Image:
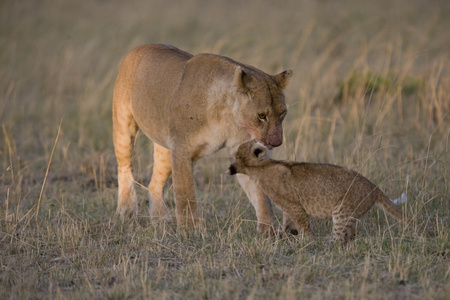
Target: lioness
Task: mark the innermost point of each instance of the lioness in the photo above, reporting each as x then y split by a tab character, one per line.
302	190
192	106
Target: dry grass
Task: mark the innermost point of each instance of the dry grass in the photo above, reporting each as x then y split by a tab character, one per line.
370	91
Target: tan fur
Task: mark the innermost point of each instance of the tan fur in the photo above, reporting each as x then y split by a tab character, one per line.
304	190
191	106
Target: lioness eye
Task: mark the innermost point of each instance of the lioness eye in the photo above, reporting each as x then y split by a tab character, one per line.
262	117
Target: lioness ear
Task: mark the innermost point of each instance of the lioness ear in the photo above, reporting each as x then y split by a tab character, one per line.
282	79
242	79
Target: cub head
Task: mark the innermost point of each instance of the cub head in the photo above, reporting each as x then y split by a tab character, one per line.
249	154
259	106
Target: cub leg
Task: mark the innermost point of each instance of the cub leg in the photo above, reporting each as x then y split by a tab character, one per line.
184	189
261	203
288	225
161	170
301	220
124	133
344	226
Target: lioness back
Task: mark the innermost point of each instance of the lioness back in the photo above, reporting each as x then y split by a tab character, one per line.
149	75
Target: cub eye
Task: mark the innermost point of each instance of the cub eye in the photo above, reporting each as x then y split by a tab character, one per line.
262	117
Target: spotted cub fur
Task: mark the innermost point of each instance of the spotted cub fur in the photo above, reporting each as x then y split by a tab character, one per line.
304	190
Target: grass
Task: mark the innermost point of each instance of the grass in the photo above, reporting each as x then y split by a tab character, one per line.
370	92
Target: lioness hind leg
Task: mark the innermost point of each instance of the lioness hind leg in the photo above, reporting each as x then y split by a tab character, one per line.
161	171
124	133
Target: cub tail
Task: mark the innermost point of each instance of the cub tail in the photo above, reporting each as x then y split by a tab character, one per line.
400	200
388	206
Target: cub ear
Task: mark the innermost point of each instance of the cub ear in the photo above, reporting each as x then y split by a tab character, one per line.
282	79
259	152
242	79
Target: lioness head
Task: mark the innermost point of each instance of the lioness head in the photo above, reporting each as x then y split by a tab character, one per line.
249	154
260	106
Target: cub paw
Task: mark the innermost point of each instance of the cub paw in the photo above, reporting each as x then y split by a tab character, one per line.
290	229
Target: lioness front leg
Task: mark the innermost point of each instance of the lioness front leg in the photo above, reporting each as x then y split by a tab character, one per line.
184	189
261	203
162	166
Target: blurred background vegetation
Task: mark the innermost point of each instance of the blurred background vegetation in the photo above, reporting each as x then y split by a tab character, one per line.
370	91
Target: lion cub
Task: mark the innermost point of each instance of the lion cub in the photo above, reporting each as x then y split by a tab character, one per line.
304	190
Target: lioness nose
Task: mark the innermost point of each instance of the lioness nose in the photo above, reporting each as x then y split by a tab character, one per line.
275	137
276	141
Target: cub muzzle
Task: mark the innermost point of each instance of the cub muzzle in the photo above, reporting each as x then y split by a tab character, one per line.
232	170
